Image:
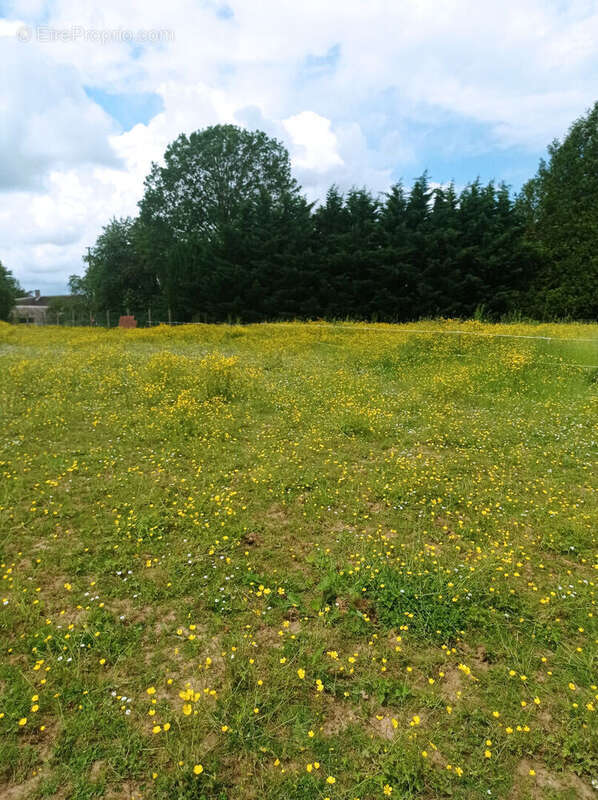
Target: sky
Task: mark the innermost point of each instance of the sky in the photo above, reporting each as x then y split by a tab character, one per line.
361	92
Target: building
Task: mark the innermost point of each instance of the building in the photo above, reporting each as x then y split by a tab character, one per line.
35	308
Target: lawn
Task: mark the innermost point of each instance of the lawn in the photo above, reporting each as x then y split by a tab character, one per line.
299	561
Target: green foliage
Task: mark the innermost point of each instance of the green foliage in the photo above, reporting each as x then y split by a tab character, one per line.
561	208
436	603
223	233
9	291
117	277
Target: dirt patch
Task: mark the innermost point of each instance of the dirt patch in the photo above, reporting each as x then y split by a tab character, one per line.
452	684
47	741
421	451
279	514
129	790
481	658
338	717
382	726
362	604
209	743
545	718
536	785
20	791
268	637
97	768
435	757
341	527
478	659
129	612
238	774
292	615
342	604
166	621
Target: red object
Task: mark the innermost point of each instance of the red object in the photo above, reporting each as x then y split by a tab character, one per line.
127	322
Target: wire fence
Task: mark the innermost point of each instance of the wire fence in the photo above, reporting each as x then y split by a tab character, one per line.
100	319
147	318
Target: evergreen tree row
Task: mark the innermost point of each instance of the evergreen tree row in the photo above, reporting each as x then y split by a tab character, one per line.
224	232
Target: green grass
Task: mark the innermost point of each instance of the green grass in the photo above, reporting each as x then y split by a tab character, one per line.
367	548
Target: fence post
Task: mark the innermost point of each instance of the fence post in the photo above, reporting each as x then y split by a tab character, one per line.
149	318
169	315
107	318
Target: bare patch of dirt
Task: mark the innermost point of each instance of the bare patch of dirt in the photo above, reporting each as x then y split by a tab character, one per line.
477	659
340	527
481	658
277	513
129	611
292	615
239	774
209	742
342	604
436	758
543	780
47	741
338	717
166	621
97	768
452	684
363	604
545	718
382	726
129	790
268	637
422	451
19	791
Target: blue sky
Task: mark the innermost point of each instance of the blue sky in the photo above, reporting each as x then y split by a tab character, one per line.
127	109
360	93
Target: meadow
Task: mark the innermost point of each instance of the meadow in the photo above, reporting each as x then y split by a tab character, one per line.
299	561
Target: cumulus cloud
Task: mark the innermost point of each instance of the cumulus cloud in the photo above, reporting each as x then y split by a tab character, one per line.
48	120
314	145
359	93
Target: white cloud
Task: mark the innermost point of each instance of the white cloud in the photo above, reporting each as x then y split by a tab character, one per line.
48	120
314	145
10	28
517	73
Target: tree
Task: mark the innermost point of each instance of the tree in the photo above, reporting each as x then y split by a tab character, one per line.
398	278
209	176
560	207
116	277
332	227
224	232
364	254
199	208
438	284
9	291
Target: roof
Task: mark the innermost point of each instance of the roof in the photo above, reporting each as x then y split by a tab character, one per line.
43	300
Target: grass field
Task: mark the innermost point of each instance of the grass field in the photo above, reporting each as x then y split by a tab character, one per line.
299	561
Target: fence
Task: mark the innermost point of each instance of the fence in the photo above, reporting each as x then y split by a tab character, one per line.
104	319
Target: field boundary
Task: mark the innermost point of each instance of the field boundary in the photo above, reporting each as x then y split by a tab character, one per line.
436	331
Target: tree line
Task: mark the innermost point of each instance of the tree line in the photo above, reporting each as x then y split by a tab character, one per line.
224	232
